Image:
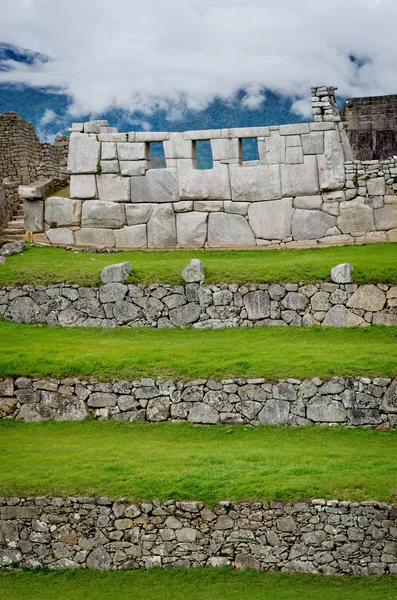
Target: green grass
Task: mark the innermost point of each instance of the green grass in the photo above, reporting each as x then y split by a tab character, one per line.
374	263
145	461
271	352
193	584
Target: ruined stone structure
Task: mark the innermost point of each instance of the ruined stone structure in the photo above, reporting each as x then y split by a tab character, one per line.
371	126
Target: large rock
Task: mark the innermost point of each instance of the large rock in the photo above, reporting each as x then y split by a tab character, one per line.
125	312
99	559
12	248
340	316
158	185
376	186
161	229
295	301
113	188
63	408
33	215
61	236
83	154
229	231
131	237
257	305
138	214
300	180
191	229
322	410
355	216
83	186
342	273
100	238
108	215
389	402
24	310
193	272
158	409
202	413
252	184
386	217
132	151
271	220
116	273
184	315
196	184
112	292
311	224
367	297
331	164
62	212
275	412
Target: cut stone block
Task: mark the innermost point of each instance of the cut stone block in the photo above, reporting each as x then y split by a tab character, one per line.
386	217
311	224
293	155
33	215
109	151
62	212
367	297
117	273
150	136
110	166
208	205
83	154
331	164
161	228
130	151
237	208
83	186
229	231
138	213
376	187
191	229
158	185
178	147
298	129
308	202
272	149
300	180
196	184
225	149
61	236
134	168
271	220
355	216
133	236
99	238
113	188
342	273
253	184
183	206
340	316
97	213
38	189
313	143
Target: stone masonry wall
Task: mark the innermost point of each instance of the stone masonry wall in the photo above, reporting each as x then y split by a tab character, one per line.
202	306
3	209
332	538
345	401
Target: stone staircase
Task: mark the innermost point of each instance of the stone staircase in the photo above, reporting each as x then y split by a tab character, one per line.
15	230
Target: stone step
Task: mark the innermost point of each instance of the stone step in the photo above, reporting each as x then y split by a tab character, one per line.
15	225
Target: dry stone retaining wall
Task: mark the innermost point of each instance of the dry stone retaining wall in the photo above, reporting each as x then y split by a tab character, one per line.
332	538
202	306
353	401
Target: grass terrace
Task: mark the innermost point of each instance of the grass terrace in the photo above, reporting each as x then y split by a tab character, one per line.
129	353
165	461
194	584
45	265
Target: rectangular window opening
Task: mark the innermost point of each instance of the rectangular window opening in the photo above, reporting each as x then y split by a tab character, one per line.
250	150
204	155
157	156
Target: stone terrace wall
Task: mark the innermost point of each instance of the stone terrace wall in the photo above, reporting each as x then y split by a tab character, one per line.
3	209
332	538
354	401
202	306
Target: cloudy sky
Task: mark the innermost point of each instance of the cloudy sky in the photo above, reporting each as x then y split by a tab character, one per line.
171	52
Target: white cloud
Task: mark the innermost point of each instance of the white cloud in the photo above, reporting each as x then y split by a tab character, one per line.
140	55
48	117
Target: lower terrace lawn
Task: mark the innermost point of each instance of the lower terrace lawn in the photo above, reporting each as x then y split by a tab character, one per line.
193	584
145	461
130	353
44	265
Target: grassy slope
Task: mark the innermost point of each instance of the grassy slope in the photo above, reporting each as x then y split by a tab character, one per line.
271	352
374	263
177	460
194	584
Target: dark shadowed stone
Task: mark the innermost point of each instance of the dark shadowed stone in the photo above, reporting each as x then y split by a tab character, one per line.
364	416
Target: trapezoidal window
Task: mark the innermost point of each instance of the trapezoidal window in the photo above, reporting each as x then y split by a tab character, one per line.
157	156
203	154
249	149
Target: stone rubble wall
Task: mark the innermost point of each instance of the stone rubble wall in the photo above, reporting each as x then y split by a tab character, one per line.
3	209
355	401
332	538
202	306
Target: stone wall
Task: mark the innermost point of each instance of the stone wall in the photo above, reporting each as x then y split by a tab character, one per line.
202	306
332	538
345	401
3	209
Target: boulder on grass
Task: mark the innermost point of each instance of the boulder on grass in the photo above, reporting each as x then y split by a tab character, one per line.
193	272
116	273
342	273
12	248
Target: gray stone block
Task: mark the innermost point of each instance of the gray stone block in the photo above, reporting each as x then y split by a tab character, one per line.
311	224
113	188
196	184
158	185
33	215
204	414
300	180
225	149
134	168
185	315
252	184
386	217
271	220
61	236
110	167
342	273
355	216
109	215
132	151
272	149
313	143
62	212
161	228
367	297
178	147
193	272
340	316
275	412
229	231
323	410
83	186
331	164
376	186
208	205
133	236
308	202
191	229
98	238
116	273
84	154
109	151
138	213
257	304
236	208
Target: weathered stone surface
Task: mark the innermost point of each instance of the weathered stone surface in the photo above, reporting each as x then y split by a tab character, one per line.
193	272
134	236
271	220
61	236
158	409
62	212
138	214
191	229
342	273
113	188
112	292
83	154
308	202
94	237
275	412
252	184
161	228
116	273
313	142
99	559
355	216
202	413
196	184
311	224
257	305
83	186
300	180
389	403
376	186
228	230
340	316
184	315
97	213
272	149
132	151
325	410
24	310
331	164
367	297
33	211
386	217
134	168
295	301
125	312
158	185
12	248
